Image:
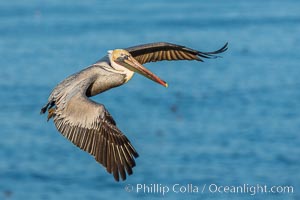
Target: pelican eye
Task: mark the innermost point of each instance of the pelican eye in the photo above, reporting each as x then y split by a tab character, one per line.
122	57
126	57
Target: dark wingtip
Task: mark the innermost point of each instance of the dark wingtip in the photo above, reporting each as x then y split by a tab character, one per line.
224	48
116	175
221	50
212	53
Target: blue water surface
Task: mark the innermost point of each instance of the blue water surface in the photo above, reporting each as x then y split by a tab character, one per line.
232	121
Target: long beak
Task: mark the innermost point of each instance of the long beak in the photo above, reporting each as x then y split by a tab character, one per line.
135	66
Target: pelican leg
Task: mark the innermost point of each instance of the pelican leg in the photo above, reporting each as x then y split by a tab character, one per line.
51	113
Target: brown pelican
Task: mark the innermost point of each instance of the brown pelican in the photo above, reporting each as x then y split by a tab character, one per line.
87	123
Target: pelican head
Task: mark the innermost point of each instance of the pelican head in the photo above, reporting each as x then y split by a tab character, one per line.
120	59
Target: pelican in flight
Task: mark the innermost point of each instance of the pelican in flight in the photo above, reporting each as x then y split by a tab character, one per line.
88	124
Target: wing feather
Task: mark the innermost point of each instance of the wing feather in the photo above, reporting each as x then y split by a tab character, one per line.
89	126
159	51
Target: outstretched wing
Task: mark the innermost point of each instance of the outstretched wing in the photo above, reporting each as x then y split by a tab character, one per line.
90	127
166	51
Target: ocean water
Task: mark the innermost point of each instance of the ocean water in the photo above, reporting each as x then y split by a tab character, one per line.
229	122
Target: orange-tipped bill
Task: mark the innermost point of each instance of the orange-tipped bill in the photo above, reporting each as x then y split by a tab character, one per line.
135	66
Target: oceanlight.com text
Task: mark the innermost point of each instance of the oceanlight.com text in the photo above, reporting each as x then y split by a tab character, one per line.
164	189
